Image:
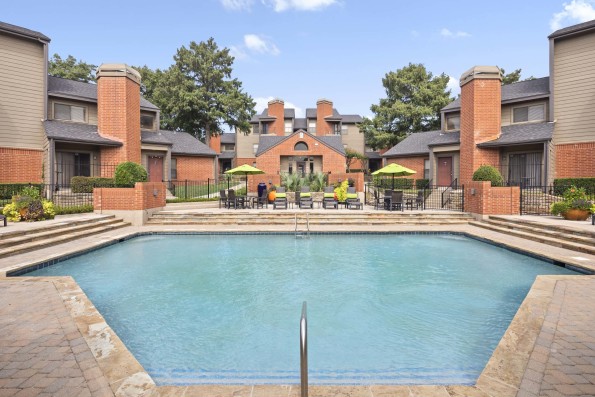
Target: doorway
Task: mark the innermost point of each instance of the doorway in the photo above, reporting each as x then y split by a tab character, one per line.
444	171
155	169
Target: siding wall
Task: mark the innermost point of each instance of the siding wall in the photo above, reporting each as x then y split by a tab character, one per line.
244	147
507	110
353	139
574	89
22	67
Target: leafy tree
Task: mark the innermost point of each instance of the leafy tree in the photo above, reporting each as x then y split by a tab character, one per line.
71	68
197	94
413	101
513	77
352	155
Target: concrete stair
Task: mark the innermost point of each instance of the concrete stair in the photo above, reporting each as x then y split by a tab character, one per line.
327	217
20	241
554	235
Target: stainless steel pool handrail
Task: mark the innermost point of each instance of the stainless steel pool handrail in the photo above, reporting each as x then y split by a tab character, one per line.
304	352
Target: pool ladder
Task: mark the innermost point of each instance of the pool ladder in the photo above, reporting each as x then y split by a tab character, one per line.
300	233
304	352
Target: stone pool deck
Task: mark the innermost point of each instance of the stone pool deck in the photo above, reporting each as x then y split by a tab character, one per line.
53	342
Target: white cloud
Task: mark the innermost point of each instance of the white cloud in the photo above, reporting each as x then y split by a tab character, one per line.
237	52
260	44
237	5
300	5
263	102
453	86
576	11
447	33
414	33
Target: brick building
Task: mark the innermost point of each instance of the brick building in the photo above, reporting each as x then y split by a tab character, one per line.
54	128
533	131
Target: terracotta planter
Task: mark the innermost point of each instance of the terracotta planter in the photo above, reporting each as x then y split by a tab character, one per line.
576	215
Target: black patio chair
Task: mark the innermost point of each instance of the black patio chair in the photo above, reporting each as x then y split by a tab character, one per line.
232	200
387	199
352	201
222	198
419	200
280	199
3	219
328	200
262	201
305	198
378	201
396	202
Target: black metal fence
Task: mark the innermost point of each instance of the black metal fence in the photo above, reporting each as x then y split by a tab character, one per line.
189	189
61	195
520	172
537	200
65	171
429	197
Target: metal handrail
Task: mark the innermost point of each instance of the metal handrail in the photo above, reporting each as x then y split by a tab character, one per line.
449	189
304	352
296	231
308	224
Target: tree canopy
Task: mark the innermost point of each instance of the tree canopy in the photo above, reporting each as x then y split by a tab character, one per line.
71	68
413	101
352	155
197	93
513	77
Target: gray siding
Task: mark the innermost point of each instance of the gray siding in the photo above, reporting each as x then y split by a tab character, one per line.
574	88
353	139
22	97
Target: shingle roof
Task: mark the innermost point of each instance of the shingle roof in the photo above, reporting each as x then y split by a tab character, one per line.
78	89
7	27
228	138
300	123
227	155
334	141
416	143
522	133
154	137
268	141
373	155
352	118
76	132
446	138
512	92
184	143
573	29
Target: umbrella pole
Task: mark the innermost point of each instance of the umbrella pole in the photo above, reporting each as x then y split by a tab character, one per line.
393	181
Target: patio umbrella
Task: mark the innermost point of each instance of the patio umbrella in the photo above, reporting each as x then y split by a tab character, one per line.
245	170
394	169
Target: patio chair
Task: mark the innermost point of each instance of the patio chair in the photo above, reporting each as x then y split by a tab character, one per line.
262	201
419	200
231	199
305	198
280	199
3	219
396	202
378	201
328	200
352	201
222	198
387	199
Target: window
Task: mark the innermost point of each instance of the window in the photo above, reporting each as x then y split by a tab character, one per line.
427	169
255	147
264	129
69	112
255	129
174	168
301	146
453	122
528	113
312	127
288	127
147	121
344	130
337	129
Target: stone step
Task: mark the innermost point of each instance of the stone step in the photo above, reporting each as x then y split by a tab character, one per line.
291	215
63	237
42	228
539	238
43	234
559	228
538	229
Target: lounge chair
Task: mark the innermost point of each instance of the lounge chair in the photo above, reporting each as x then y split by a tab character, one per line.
328	200
222	198
396	202
305	198
280	199
352	201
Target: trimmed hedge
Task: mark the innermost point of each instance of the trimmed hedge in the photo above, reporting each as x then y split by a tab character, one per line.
85	184
128	173
488	173
561	184
400	183
78	209
421	183
7	190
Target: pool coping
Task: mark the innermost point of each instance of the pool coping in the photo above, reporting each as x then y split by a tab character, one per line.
502	375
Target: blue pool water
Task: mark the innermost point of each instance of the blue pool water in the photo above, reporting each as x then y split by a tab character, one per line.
382	309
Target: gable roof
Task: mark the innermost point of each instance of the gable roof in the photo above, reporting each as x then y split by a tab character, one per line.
76	132
518	134
267	142
185	144
523	90
58	86
228	138
155	137
24	32
573	29
415	144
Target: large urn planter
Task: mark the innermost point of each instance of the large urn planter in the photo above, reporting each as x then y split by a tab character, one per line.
576	215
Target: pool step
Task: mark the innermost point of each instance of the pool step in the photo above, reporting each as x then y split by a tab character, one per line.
20	241
553	235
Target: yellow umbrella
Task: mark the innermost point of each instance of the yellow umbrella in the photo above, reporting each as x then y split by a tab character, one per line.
246	170
394	169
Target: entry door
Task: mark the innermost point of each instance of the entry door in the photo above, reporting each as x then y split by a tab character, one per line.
155	169
444	171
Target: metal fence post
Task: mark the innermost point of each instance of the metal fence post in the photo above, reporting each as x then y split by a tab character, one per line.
186	189
208	187
521	202
463	199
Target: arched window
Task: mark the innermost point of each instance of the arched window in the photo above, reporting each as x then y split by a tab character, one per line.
300	146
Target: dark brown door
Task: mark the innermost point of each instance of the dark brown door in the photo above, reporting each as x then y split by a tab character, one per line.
155	169
444	171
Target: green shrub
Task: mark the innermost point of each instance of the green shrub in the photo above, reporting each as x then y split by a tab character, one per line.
488	173
191	200
341	191
422	183
78	209
559	207
7	190
85	184
128	173
573	198
562	184
317	181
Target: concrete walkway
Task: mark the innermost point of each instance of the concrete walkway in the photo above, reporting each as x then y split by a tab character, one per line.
53	342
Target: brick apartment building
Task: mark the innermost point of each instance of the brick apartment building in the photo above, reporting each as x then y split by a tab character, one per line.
52	129
533	131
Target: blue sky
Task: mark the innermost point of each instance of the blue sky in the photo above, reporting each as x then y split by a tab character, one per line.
303	50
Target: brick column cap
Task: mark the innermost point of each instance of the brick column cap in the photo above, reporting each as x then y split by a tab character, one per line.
276	100
118	70
324	100
480	72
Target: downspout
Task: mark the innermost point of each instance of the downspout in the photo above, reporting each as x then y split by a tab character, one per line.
546	161
52	146
551	103
50	166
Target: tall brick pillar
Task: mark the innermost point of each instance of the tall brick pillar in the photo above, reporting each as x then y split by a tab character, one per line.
480	118
215	143
118	113
324	108
277	109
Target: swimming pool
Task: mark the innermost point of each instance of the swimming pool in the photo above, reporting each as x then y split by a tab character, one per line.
383	309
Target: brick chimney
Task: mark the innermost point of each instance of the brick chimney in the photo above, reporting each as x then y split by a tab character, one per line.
215	143
277	109
118	112
324	108
480	118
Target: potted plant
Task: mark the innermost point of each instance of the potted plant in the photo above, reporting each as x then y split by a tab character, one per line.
574	205
272	193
